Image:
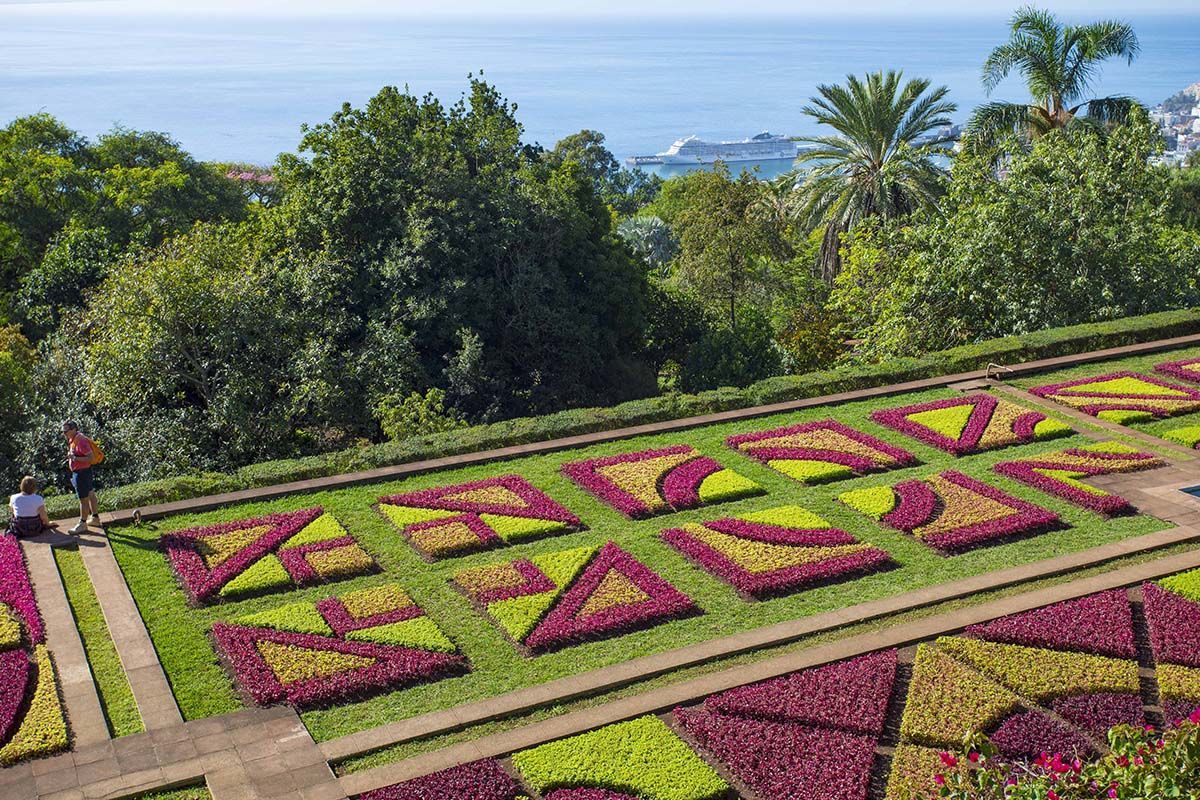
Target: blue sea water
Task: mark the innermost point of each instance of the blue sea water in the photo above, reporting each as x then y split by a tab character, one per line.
240	88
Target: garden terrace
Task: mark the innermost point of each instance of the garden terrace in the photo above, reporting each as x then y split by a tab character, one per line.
585	604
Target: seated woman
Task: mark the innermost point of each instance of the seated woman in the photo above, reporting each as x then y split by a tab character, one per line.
29	517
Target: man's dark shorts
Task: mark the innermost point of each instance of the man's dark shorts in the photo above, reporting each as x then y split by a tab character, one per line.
82	481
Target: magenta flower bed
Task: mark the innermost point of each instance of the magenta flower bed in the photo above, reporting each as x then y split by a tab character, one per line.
204	582
1078	463
1186	369
954	527
1096	713
781	761
569	622
1163	400
1101	624
534	503
1175	711
588	794
16	671
1028	734
322	676
786	559
16	591
824	440
992	423
479	780
1174	623
852	695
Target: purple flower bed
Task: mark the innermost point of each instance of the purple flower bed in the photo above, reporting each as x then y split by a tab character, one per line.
1187	369
586	474
681	486
536	503
852	695
781	761
1028	734
1174	623
884	455
1096	713
1081	463
201	583
1175	711
343	622
1181	399
322	681
479	780
16	671
535	582
16	590
565	625
919	505
1101	624
1020	426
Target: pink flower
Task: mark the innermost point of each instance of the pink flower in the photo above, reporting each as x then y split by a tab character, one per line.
1194	718
948	760
973	757
939	779
1051	795
1112	792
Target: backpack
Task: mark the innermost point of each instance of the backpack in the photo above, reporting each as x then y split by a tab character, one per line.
97	453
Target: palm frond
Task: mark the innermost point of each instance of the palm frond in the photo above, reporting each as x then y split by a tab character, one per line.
991	120
1113	109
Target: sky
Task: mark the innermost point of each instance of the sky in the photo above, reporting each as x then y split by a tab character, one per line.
602	7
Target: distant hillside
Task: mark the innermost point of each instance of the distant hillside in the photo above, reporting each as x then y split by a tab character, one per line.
1183	100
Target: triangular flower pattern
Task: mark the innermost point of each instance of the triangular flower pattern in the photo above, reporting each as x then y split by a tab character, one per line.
477	780
659	481
821	451
1185	369
337	649
455	520
1059	473
809	734
1100	624
572	596
950	511
264	554
776	551
1123	396
969	424
32	722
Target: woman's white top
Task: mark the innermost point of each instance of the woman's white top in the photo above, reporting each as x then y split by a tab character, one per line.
26	505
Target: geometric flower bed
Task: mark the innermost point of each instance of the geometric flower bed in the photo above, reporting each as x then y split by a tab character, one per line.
774	551
1187	369
1058	473
478	780
950	511
335	649
1123	396
1172	608
264	554
32	723
825	450
636	760
568	597
971	423
658	481
453	520
1188	437
811	734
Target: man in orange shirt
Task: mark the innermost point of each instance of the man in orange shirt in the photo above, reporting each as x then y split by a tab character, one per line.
81	455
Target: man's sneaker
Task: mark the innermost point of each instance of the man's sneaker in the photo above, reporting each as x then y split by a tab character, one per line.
80	527
94	519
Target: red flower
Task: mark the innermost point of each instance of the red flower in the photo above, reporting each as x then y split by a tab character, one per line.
939	779
948	760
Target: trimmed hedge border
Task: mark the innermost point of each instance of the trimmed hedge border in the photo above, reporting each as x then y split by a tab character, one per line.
1052	343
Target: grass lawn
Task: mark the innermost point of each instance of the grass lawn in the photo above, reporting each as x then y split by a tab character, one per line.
198	792
203	689
1143	364
116	697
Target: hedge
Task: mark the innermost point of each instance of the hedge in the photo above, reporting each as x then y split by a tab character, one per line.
573	422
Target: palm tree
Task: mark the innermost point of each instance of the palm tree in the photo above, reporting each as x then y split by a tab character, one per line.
883	160
1059	63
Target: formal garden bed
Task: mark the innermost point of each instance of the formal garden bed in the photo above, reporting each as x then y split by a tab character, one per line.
555	564
1158	394
1045	688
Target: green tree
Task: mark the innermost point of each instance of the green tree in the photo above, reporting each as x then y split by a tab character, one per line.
1075	231
652	241
1058	63
77	259
416	415
734	355
191	344
1184	184
505	271
17	360
625	190
723	246
875	164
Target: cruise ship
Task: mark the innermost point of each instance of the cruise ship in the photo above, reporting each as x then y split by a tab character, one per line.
692	150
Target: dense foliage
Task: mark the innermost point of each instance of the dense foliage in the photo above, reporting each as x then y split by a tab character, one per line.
416	267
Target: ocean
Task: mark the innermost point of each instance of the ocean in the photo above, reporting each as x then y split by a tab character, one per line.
239	88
